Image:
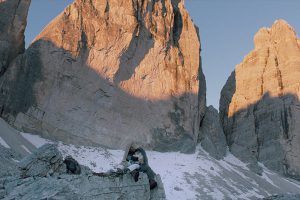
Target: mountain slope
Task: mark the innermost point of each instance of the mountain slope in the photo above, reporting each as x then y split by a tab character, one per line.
188	176
105	72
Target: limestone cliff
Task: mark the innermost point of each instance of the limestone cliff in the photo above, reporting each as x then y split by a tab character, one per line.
259	106
108	72
211	134
13	20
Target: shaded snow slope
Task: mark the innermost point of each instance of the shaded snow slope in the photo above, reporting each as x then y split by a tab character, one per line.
3	143
194	176
12	138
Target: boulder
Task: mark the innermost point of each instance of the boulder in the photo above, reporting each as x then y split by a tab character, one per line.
259	105
8	164
42	163
81	187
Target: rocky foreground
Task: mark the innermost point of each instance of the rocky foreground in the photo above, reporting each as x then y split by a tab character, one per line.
42	175
184	176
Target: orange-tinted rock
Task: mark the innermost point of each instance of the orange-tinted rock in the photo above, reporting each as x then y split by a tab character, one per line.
108	72
259	104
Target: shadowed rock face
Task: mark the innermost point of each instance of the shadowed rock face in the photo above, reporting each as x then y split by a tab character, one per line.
211	135
259	106
109	72
13	20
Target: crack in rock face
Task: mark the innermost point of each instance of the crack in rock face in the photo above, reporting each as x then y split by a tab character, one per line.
109	72
259	106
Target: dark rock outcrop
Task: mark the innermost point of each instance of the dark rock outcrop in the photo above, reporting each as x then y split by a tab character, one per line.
259	106
42	163
211	135
13	20
105	72
8	160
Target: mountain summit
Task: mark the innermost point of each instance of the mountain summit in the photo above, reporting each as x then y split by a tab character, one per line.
259	106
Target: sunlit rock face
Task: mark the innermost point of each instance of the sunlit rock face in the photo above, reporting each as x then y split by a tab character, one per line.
111	71
259	106
13	19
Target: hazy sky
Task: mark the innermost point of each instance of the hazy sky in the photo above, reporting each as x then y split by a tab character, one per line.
226	29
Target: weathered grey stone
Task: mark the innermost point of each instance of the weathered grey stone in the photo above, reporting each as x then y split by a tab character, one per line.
158	193
45	161
7	164
105	72
2	193
212	137
35	184
13	20
284	197
83	187
259	106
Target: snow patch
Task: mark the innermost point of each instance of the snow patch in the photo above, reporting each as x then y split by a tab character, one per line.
3	143
267	175
235	161
96	158
185	176
36	140
25	148
15	160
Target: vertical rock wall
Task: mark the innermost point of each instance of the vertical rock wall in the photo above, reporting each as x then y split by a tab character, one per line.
259	106
111	71
13	20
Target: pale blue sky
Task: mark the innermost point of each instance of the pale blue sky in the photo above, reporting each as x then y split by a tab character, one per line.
226	29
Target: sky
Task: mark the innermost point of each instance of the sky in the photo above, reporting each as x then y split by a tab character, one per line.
226	28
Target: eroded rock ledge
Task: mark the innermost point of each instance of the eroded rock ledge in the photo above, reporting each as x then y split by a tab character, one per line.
42	175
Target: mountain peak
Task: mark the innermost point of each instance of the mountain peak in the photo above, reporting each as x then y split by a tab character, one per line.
279	33
105	72
258	103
